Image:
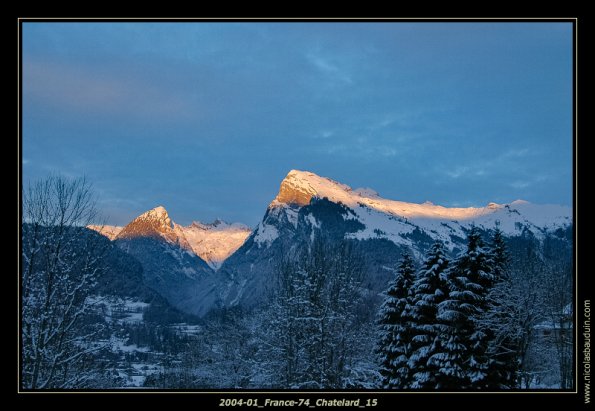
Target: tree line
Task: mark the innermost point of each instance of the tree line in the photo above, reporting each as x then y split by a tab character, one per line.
469	323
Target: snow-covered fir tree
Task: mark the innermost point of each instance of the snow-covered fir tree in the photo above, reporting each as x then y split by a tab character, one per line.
463	362
476	266
429	290
396	329
499	256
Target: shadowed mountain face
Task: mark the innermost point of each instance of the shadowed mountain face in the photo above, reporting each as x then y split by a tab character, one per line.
169	265
120	274
185	280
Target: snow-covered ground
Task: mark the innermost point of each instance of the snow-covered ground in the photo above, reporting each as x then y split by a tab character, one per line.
116	309
186	329
135	374
135	362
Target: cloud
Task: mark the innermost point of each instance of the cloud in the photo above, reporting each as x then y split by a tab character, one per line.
360	149
467	171
324	134
333	71
77	88
515	153
457	172
520	184
497	165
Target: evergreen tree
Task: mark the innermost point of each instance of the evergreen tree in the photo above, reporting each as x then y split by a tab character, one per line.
395	328
499	256
463	362
429	290
476	266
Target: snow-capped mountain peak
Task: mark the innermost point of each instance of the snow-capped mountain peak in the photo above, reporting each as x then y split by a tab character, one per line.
310	207
299	187
366	192
212	242
218	224
153	223
395	220
158	214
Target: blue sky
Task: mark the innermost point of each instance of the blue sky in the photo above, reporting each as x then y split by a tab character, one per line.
207	118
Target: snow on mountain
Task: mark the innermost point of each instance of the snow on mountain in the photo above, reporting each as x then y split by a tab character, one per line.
212	242
201	266
308	207
395	220
216	241
109	231
265	233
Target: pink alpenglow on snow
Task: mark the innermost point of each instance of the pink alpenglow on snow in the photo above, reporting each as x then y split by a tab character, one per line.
214	242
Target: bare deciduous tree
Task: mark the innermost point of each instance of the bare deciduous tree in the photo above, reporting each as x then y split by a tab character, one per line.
61	261
311	338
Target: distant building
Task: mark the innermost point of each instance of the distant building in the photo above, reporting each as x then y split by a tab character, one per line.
560	326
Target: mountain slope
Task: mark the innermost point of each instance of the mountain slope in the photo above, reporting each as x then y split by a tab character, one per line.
169	265
154	224
109	231
308	206
178	261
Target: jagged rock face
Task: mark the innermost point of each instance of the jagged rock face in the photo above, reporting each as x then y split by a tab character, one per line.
154	223
295	191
